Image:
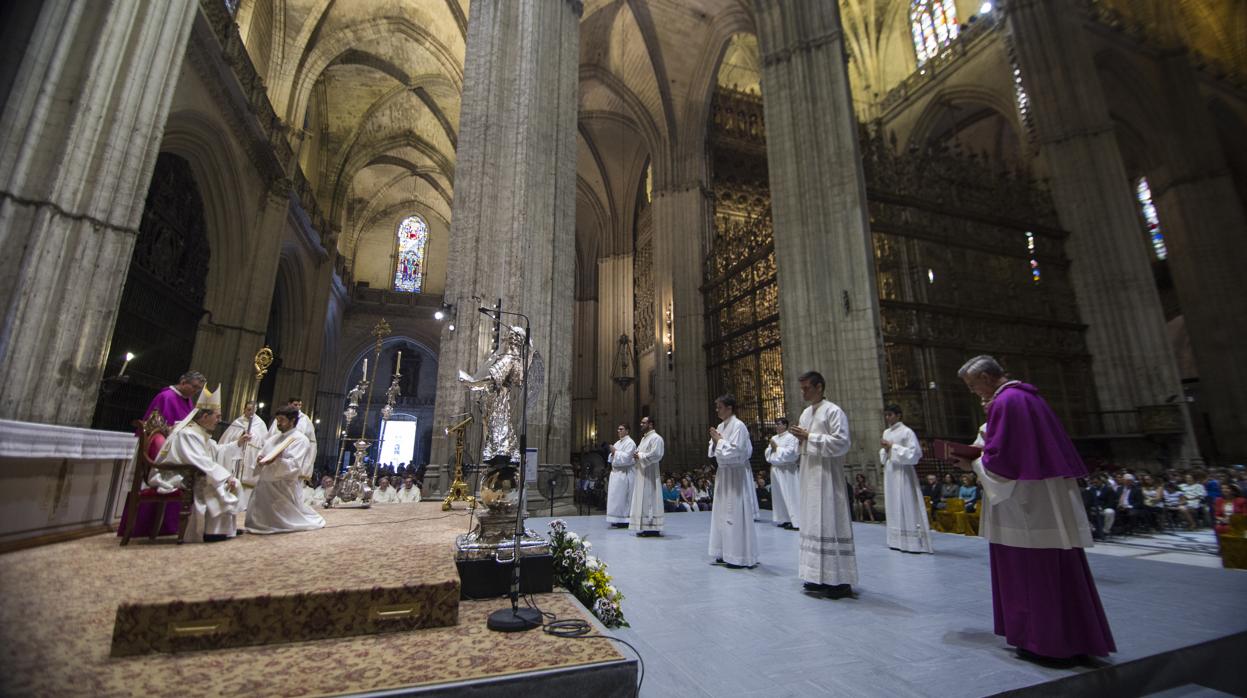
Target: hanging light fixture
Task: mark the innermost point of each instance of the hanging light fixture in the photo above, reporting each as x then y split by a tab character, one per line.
621	368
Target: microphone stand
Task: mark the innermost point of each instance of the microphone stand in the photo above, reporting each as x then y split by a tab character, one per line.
514	619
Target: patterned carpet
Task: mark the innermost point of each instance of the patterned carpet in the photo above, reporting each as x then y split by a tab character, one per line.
57	613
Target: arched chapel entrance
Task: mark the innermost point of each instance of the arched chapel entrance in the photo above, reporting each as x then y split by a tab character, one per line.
163	299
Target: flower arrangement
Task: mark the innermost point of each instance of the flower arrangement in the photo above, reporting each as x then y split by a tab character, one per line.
578	571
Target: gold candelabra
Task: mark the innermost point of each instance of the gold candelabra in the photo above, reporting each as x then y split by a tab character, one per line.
458	491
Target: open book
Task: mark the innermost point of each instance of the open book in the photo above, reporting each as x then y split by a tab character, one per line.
270	457
950	450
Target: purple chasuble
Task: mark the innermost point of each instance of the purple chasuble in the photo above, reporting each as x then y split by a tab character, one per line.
173	407
1025	440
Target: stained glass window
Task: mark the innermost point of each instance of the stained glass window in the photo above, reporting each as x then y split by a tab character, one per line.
1030	252
934	26
1143	192
413	237
231	6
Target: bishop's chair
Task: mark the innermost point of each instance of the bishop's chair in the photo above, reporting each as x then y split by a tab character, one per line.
146	505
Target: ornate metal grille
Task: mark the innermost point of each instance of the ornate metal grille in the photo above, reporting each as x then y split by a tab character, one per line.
953	272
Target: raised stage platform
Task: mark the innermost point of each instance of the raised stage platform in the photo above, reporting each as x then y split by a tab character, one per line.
920	625
368	604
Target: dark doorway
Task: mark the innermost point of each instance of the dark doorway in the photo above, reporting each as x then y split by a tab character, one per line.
163	297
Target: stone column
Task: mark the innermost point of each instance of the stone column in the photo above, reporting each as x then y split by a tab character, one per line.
512	234
229	338
615	317
1133	361
79	136
584	376
1205	232
829	307
682	407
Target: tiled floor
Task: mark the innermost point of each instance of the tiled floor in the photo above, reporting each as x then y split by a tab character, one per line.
1198	548
920	624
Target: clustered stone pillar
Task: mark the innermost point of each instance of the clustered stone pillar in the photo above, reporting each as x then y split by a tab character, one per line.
1132	358
512	234
829	307
1206	235
682	407
79	135
615	318
226	344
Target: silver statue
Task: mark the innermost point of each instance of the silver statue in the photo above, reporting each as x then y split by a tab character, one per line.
499	383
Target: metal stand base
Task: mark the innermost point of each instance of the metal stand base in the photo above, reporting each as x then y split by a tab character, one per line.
506	620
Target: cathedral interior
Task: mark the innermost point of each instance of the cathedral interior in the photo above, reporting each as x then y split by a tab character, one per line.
685	197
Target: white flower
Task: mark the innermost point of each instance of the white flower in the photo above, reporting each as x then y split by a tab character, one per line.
571	535
588	545
611	590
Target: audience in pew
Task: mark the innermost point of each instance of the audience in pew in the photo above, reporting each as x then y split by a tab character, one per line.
1120	502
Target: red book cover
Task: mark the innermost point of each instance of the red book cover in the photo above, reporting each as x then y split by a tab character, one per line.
949	450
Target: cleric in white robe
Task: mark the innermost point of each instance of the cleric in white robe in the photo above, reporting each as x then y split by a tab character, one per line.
383	493
244	470
277	505
646	515
827	561
308	429
899	452
408	493
784	454
190	443
733	541
623	475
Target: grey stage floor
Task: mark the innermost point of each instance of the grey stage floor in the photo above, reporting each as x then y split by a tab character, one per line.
920	625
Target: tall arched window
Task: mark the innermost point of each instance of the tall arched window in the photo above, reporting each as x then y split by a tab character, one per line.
934	26
413	238
1143	192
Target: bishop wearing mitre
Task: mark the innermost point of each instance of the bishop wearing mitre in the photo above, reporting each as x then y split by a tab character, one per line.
277	504
191	443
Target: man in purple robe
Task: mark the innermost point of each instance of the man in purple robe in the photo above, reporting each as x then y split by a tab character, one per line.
1043	596
174	403
177	401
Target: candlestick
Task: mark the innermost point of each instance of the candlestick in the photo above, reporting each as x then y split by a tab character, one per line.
398	368
129	358
365	369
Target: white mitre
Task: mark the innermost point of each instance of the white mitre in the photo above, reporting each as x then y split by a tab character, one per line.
208	400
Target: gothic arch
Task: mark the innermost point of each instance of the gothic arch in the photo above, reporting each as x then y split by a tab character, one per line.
291	290
215	163
365	348
689	162
988	120
367	152
639	115
397	211
317	58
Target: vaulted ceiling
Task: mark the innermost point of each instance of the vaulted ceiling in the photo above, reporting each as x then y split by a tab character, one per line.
373	89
